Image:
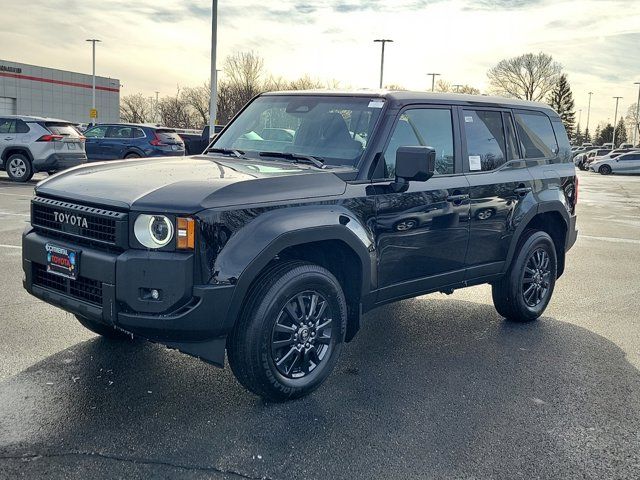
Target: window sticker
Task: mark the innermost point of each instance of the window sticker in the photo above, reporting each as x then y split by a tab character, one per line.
468	119
376	103
474	162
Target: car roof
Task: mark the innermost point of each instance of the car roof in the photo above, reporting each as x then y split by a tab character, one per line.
30	118
408	97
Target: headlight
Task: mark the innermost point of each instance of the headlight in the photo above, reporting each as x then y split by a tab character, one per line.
153	231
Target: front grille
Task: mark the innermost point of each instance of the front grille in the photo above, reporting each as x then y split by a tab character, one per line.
82	288
86	225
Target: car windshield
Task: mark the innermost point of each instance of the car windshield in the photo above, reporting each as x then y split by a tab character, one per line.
332	129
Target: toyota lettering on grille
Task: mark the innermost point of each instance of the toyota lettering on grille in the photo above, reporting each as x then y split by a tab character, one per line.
70	219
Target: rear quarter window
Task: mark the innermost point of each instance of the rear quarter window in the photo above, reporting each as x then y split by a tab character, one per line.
537	138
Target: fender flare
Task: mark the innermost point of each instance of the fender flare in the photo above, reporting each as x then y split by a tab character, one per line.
246	255
544	207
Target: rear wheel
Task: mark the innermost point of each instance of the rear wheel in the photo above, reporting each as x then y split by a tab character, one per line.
131	155
524	292
19	168
103	330
605	170
290	334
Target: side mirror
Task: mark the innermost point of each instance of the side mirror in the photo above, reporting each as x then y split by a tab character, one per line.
415	163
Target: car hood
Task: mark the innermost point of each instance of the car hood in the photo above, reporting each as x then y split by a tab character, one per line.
190	184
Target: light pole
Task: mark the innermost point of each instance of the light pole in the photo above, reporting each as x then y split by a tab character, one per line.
156	110
635	130
433	80
588	113
382	41
457	87
93	79
214	80
615	122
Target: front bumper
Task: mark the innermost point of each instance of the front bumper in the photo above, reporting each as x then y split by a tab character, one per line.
110	289
59	161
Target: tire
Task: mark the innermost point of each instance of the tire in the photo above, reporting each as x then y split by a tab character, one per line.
604	170
19	168
272	350
524	292
103	330
131	155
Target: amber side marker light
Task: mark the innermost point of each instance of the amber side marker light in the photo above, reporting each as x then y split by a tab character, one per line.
186	233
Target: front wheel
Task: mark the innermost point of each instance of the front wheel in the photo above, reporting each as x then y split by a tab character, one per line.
19	168
604	170
290	334
524	292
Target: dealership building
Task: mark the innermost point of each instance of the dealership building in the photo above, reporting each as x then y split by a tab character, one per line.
47	92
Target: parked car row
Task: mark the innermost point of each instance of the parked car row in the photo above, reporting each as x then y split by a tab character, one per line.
627	161
37	144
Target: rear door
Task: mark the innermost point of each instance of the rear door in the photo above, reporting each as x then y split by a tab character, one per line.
500	186
117	141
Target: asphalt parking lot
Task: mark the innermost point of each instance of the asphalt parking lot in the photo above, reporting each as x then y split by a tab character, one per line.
434	387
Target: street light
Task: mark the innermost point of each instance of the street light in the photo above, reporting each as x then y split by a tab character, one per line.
382	41
93	79
615	122
433	80
635	130
457	87
214	78
588	113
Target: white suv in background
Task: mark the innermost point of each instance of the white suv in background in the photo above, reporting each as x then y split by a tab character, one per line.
34	144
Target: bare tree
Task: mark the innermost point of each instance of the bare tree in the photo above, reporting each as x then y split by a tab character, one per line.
198	99
175	112
395	87
136	108
631	120
528	77
446	87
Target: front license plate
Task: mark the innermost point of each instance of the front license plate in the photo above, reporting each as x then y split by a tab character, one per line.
62	261
71	145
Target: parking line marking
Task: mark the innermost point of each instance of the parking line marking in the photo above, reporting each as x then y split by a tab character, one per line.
15	214
16	195
9	246
610	239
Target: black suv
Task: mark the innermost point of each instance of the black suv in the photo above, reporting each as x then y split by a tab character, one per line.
272	248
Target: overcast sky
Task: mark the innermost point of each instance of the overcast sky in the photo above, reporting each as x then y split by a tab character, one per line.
159	44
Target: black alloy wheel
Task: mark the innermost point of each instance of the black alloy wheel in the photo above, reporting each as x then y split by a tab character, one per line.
536	278
301	336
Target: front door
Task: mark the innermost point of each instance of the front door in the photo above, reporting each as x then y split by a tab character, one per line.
422	233
500	186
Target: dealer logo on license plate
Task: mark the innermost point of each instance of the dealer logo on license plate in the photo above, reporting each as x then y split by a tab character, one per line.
62	261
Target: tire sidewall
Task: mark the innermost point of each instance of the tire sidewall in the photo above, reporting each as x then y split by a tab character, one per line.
266	313
605	170
534	241
28	172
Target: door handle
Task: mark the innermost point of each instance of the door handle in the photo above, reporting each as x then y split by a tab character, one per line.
457	198
522	190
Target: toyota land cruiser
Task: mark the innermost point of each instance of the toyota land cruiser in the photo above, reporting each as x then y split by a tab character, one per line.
272	248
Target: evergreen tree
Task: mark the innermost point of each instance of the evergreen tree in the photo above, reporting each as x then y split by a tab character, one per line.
561	100
596	136
578	138
621	133
606	134
587	136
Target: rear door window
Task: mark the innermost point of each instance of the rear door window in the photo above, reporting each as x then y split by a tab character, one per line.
537	139
64	129
119	132
138	133
486	143
22	127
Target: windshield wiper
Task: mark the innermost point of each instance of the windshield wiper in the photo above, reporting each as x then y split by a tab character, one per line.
308	159
227	151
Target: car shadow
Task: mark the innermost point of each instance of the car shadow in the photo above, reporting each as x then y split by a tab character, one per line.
429	388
